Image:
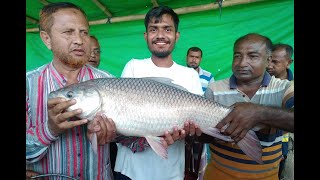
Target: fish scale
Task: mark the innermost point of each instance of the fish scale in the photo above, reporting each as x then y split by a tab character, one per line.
147	107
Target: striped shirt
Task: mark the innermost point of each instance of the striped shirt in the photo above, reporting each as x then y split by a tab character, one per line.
285	139
205	78
70	153
228	160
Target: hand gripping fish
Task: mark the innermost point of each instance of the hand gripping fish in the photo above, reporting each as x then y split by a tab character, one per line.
147	107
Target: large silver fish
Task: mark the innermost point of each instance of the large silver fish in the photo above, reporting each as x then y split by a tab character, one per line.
147	107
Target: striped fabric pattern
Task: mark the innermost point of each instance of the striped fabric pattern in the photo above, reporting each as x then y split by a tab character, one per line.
70	153
205	78
285	140
227	160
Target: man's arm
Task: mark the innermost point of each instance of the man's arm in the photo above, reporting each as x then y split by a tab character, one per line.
38	136
245	116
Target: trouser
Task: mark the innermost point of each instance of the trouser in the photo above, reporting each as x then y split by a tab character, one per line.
119	176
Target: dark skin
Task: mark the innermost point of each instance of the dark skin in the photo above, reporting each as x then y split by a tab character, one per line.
58	121
249	63
279	63
161	37
30	174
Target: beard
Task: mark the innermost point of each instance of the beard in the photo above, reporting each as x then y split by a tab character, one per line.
161	53
158	54
71	61
193	66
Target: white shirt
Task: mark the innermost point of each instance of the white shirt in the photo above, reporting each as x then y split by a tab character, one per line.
147	164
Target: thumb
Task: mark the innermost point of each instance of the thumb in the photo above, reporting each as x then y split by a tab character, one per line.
93	126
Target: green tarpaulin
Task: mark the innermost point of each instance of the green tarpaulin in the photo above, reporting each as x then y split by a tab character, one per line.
215	35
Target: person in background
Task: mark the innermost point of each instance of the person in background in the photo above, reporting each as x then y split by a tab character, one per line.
57	143
95	62
279	66
195	151
95	52
135	159
194	58
260	103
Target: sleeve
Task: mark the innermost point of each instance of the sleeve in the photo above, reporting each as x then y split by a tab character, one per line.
38	136
211	79
135	144
288	98
209	93
128	70
196	85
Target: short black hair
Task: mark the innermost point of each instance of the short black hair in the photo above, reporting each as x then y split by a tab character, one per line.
266	40
157	12
93	37
288	48
46	20
194	49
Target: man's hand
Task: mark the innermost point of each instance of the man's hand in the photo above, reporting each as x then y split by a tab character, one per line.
104	127
30	174
242	118
189	128
58	116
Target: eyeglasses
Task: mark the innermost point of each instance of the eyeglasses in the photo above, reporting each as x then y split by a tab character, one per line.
96	51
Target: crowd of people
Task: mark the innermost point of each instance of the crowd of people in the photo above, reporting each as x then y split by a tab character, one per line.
260	90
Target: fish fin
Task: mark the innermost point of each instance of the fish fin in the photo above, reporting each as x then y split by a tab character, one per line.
94	143
166	81
215	132
156	144
251	146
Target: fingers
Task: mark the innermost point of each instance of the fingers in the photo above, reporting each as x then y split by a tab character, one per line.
104	127
164	142
168	138
62	117
60	107
241	136
54	101
198	131
30	174
93	126
225	121
110	129
183	134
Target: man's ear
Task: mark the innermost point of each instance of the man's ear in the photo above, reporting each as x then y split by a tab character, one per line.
177	36
145	36
46	39
289	63
269	58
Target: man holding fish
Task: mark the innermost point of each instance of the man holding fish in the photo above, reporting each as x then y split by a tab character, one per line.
55	144
259	101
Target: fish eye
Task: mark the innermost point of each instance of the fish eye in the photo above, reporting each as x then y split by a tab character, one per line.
70	94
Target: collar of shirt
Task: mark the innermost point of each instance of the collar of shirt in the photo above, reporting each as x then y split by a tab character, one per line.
265	81
63	80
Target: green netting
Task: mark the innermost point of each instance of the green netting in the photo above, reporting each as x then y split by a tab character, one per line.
214	35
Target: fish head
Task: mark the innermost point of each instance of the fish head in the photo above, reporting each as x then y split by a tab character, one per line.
87	96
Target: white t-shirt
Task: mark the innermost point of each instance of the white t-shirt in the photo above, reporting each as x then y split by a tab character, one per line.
147	164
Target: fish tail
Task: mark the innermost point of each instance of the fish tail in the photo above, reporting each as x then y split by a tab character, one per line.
251	146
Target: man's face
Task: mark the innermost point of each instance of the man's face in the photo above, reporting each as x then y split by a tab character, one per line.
193	59
279	63
161	36
69	39
249	59
95	53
